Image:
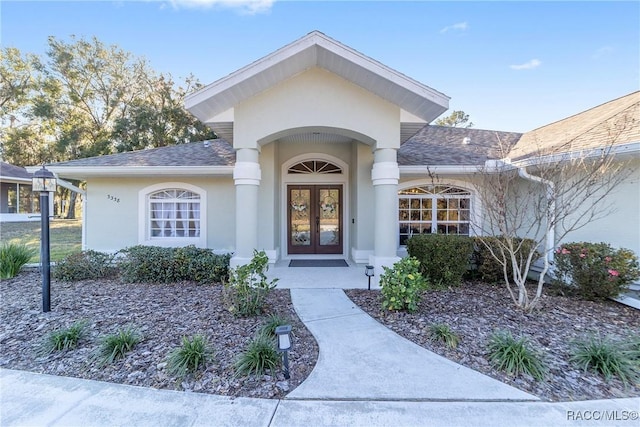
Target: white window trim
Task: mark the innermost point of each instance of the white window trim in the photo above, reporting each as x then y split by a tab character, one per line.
143	217
475	210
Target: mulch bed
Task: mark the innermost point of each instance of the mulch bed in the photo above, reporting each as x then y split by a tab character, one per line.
163	314
475	310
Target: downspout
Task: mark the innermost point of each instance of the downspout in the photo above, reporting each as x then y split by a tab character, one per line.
551	212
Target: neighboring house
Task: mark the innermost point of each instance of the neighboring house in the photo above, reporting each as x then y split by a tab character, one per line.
323	153
17	202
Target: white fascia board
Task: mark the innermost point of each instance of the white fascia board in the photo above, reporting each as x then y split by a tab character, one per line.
9	179
621	151
439	169
382	70
123	171
309	41
246	72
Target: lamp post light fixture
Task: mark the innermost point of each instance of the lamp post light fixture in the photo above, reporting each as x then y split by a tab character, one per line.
44	181
284	344
368	271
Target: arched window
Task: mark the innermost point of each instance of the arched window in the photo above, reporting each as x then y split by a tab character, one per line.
174	213
433	209
315	166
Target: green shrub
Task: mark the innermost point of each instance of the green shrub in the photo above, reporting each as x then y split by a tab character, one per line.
515	356
402	285
248	287
64	339
605	356
444	259
259	357
272	322
85	265
192	354
595	270
12	258
170	265
442	332
116	345
488	268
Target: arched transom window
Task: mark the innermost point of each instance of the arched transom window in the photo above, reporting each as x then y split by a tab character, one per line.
433	209
174	213
315	166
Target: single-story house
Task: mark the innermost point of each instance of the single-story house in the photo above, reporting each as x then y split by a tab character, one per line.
17	202
324	152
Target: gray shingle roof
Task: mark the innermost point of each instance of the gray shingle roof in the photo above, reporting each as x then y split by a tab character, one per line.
612	123
8	170
216	152
442	145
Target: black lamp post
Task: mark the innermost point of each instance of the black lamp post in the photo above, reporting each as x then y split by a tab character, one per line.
284	344
44	181
368	271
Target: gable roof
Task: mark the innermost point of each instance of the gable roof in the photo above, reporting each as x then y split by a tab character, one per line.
314	50
14	173
613	123
443	145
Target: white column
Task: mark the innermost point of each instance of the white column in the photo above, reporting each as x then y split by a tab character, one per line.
385	175
246	175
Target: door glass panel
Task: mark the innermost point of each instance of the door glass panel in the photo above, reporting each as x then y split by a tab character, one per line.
300	217
329	216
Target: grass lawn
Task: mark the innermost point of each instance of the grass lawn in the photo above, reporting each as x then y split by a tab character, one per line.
65	236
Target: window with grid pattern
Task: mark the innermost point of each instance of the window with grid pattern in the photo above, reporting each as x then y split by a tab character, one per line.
174	213
433	209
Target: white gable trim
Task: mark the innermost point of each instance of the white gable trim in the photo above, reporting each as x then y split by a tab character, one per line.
316	50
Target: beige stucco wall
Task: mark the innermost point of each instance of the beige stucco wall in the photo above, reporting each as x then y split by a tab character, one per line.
316	99
112	225
621	228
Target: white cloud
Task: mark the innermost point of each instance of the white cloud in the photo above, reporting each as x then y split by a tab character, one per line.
602	52
534	63
460	26
245	6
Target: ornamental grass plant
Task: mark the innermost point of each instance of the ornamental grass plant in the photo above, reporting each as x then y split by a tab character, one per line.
194	353
515	355
607	357
64	339
13	256
116	345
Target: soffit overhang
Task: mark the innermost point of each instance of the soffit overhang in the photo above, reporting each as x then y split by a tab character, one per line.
315	50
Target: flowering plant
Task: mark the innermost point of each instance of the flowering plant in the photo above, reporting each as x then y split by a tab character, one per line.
595	270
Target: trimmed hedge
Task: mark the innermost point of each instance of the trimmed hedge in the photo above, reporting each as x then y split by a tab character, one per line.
169	265
85	265
488	268
444	259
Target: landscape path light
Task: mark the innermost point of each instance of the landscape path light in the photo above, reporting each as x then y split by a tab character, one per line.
44	181
368	271
284	344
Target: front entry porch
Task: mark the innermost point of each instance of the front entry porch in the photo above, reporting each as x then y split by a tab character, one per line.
351	277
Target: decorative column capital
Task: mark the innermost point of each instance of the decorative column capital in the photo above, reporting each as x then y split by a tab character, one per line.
385	173
247	173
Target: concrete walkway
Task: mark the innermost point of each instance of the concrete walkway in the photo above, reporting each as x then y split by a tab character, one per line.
361	359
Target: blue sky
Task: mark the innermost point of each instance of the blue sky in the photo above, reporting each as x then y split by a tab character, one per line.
511	66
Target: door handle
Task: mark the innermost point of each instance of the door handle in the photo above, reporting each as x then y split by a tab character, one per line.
318	224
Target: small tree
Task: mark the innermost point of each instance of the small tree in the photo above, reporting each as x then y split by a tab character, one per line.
552	192
457	118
